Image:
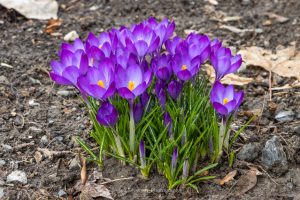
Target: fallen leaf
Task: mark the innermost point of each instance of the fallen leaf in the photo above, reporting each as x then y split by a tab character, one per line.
228	79
94	190
52	25
276	17
38	156
83	173
229	177
246	182
33	9
231	18
285	62
238	30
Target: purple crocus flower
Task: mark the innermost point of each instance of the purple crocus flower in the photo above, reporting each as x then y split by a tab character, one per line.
224	63
215	45
132	81
107	42
142	154
164	29
224	99
138	111
168	122
189	56
174	89
107	114
172	44
69	68
174	160
144	98
162	98
99	81
77	45
161	66
142	41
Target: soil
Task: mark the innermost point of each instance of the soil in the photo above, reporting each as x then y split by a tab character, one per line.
31	108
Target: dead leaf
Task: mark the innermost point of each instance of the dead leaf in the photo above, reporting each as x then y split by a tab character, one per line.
83	173
231	18
238	30
38	156
228	79
276	17
52	25
285	62
229	177
33	9
246	182
94	190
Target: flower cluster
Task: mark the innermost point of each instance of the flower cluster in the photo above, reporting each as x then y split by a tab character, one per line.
141	62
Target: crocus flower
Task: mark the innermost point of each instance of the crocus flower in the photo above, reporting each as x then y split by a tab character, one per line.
69	68
107	42
132	82
224	63
168	122
99	81
174	89
138	111
164	29
172	44
224	99
142	41
174	160
189	57
215	45
161	66
107	114
144	98
77	45
162	98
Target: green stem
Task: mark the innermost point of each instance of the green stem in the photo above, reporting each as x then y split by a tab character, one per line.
131	128
221	138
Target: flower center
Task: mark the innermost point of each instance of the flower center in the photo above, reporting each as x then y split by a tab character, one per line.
100	46
92	61
183	67
131	85
101	83
225	100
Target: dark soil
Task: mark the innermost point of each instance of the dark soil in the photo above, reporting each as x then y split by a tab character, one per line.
28	49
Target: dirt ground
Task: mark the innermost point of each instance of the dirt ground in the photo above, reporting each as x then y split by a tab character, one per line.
35	114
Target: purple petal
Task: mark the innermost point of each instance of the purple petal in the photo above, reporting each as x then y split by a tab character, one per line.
184	75
71	73
141	48
139	89
163	73
126	93
59	79
220	108
230	106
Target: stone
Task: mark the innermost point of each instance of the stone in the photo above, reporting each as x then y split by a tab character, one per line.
4	80
248	152
62	193
17	176
273	156
285	116
7	147
1	192
63	93
75	163
44	140
2	163
297	130
71	36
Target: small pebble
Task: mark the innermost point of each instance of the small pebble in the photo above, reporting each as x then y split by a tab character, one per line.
59	138
6	147
285	116
2	163
17	176
61	193
1	192
63	93
32	103
71	36
4	80
44	140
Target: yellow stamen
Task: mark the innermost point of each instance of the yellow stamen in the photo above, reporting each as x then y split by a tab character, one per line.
183	67
92	60
131	85
100	46
225	100
101	83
